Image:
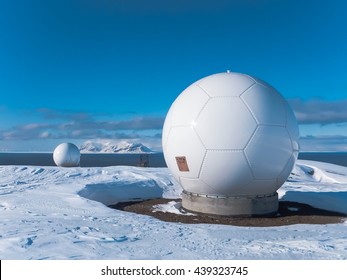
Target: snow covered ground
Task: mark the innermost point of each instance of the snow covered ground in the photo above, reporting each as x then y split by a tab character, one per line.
60	213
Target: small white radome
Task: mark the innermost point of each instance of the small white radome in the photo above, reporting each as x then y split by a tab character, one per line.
66	155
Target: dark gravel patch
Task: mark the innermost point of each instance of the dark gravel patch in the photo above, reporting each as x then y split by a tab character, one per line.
289	213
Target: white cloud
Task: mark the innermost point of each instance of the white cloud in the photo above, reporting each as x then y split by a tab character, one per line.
319	111
81	125
324	143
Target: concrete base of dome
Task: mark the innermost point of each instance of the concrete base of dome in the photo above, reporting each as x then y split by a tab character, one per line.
232	205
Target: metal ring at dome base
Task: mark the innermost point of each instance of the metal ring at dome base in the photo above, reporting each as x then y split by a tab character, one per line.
258	205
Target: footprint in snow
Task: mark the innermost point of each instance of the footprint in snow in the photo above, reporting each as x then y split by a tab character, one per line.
29	241
114	239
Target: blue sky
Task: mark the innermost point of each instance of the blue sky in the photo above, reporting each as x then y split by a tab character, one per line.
86	69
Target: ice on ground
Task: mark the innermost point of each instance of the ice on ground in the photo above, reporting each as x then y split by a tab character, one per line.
172	207
61	213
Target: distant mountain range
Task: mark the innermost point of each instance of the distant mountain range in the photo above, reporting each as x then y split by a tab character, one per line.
112	147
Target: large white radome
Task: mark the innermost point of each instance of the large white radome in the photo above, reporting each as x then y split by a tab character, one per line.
67	155
230	134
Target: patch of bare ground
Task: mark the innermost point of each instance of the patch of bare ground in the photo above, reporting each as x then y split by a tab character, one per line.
289	213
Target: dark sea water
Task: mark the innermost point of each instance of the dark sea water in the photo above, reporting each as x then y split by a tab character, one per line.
146	160
338	158
87	160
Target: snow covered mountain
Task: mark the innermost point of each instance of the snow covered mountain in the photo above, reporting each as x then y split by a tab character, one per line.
103	146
